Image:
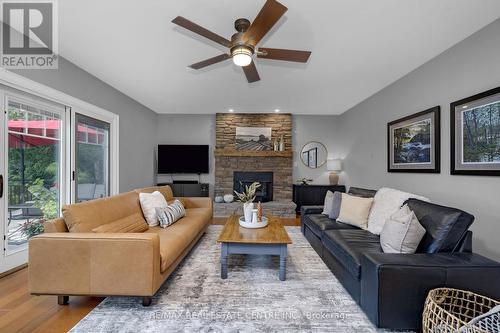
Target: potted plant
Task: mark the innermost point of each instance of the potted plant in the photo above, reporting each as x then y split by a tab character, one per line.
33	228
247	198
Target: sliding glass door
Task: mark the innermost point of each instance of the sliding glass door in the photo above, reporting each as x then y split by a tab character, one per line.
92	158
32	169
50	155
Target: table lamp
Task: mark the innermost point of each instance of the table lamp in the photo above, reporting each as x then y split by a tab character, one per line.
334	166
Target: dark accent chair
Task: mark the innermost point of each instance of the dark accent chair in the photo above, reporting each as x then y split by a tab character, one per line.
391	288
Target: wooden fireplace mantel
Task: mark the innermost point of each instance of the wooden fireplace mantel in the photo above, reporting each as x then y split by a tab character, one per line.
252	153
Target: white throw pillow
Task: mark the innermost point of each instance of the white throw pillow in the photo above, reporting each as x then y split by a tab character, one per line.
327	207
402	232
150	201
387	201
355	210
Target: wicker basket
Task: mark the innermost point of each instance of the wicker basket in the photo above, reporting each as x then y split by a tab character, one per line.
449	310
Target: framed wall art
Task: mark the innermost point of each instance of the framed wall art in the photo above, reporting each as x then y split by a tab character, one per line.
414	143
475	134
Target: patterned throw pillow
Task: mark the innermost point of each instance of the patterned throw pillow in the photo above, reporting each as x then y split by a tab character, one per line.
170	214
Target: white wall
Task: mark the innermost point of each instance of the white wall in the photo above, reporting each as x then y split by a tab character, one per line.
470	67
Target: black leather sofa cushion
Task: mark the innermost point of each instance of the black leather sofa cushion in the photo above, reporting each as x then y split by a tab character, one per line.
445	226
319	223
349	246
362	192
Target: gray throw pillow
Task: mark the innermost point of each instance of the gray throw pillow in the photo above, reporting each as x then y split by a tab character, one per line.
337	201
402	232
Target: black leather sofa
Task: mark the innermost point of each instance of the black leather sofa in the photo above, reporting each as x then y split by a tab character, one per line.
391	288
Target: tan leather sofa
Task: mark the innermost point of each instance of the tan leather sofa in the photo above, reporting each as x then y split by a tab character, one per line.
77	261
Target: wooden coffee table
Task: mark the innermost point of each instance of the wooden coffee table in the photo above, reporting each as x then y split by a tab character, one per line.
271	240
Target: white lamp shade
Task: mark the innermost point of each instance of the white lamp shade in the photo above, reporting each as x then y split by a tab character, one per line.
334	165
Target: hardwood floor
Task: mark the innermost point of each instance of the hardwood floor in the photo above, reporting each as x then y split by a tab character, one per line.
21	312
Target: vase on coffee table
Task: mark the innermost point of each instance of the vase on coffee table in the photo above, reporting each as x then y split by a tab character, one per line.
247	211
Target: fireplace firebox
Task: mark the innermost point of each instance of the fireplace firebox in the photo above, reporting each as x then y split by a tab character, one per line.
264	193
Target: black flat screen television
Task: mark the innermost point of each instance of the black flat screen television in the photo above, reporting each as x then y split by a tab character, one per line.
183	159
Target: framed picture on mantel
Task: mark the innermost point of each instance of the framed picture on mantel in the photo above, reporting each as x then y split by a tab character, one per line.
475	135
414	143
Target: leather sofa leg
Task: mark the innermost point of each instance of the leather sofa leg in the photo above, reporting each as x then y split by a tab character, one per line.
146	301
62	300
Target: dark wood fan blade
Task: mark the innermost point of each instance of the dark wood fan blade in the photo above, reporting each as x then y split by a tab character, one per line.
185	23
251	73
210	61
283	54
265	20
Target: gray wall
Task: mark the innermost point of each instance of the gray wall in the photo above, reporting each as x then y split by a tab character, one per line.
137	123
199	129
470	67
188	129
314	128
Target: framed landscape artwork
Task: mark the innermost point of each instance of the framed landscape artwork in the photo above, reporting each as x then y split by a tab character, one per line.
253	138
475	135
414	143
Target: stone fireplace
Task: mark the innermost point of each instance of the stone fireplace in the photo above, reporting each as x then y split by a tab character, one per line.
232	164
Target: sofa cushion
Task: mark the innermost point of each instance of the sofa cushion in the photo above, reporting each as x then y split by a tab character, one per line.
362	192
170	214
327	205
386	202
402	232
85	216
349	246
165	190
337	202
176	238
149	203
132	223
355	210
319	223
445	226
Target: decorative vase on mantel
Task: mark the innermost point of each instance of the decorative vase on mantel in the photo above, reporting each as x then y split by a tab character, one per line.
282	143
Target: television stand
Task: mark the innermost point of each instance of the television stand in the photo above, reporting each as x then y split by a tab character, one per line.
188	189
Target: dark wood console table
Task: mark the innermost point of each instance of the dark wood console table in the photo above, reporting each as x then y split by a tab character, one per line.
311	195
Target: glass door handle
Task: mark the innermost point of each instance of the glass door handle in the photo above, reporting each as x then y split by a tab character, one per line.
1	186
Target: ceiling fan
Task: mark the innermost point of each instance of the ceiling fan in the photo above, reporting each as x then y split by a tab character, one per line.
243	44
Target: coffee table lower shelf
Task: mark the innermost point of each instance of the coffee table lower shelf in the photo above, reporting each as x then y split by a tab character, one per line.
259	249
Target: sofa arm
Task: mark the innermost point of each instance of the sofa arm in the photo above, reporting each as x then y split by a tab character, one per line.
394	286
304	210
94	264
55	225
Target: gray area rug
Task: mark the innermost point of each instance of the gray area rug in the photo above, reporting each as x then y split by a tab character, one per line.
252	299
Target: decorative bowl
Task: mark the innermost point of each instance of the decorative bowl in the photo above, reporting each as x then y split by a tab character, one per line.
257	225
228	198
219	199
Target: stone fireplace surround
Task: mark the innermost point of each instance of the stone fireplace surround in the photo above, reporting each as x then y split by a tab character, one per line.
229	160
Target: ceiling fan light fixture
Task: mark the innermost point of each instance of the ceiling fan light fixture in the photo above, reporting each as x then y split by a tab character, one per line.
242	56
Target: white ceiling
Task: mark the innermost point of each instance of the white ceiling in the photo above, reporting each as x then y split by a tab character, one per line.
358	47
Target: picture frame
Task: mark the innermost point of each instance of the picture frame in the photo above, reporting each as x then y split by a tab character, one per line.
253	138
414	143
475	134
